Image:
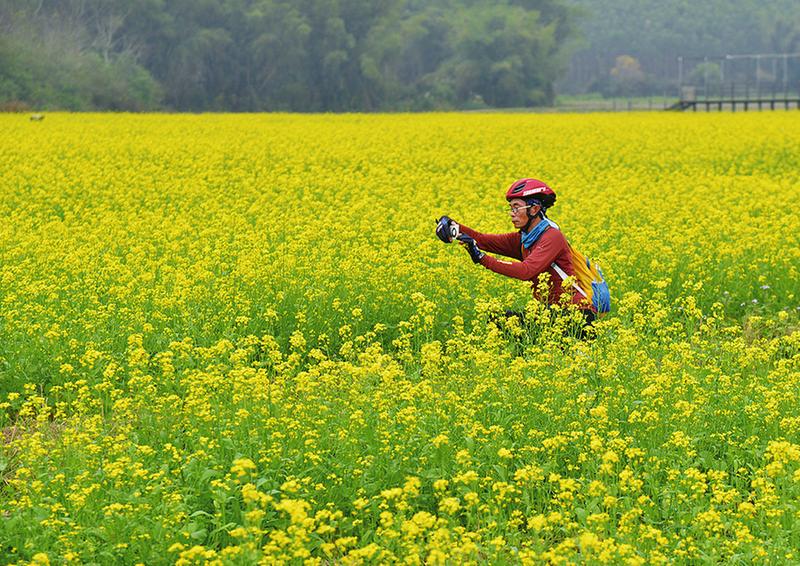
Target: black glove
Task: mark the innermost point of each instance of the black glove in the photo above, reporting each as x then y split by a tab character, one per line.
469	243
446	229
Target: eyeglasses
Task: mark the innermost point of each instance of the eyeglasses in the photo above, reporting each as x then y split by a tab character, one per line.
516	209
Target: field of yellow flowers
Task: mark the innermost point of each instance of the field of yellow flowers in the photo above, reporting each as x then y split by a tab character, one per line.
233	339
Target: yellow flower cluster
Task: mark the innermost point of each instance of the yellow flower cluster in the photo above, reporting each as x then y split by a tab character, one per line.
236	340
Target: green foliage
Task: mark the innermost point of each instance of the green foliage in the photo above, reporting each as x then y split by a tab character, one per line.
54	69
309	55
647	29
656	33
705	74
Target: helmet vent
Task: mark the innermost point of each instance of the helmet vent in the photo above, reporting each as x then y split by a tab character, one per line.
518	188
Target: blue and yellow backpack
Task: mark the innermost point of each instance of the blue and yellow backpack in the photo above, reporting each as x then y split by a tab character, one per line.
589	280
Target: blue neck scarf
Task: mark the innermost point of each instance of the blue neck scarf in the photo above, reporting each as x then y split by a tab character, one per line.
529	238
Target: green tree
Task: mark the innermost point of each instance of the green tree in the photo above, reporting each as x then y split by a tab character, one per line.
318	55
51	58
657	32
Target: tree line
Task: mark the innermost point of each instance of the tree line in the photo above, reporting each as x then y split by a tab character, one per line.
274	55
631	47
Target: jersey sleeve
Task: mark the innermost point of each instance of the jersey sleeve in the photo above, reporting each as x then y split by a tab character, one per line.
507	245
548	247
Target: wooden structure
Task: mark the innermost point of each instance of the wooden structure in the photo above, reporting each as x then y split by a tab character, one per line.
739	82
733	104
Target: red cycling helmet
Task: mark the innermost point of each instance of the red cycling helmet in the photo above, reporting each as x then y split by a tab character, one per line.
532	189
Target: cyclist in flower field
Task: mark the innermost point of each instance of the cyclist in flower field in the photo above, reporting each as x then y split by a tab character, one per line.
538	244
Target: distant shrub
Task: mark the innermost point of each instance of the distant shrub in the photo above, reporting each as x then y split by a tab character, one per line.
14	106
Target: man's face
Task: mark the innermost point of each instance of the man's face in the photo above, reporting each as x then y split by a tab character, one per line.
519	212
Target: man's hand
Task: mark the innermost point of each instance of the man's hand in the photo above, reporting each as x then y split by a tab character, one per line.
447	229
469	243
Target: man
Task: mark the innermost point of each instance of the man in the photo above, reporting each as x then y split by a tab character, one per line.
538	244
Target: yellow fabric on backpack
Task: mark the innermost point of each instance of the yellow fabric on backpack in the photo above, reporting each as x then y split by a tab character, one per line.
584	275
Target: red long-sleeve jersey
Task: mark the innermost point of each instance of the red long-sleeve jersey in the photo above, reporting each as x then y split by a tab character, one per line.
551	247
